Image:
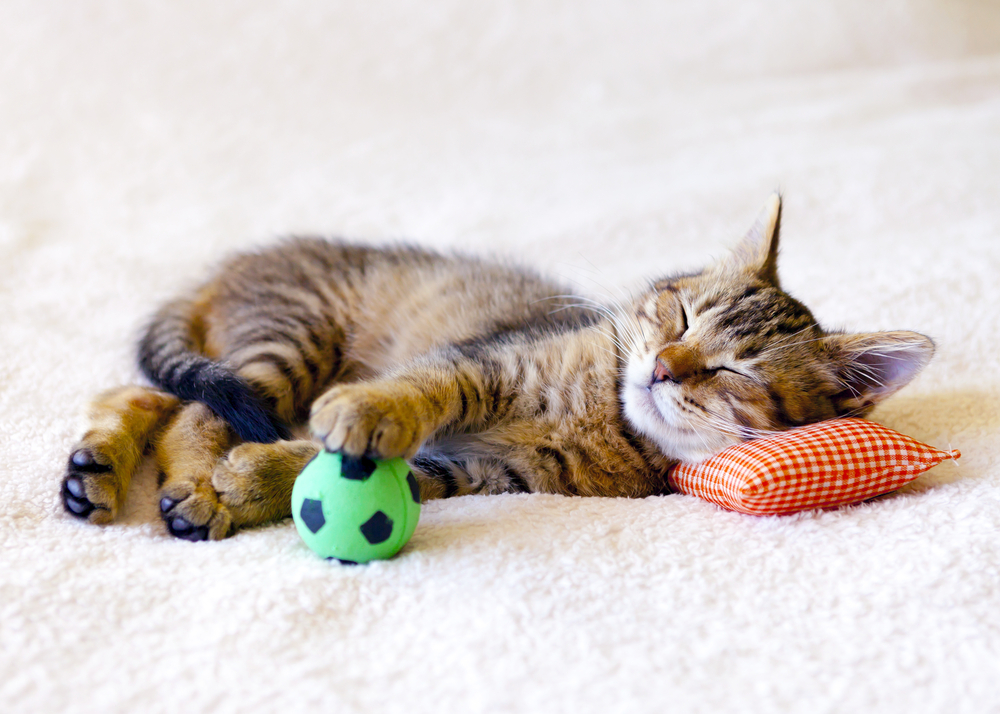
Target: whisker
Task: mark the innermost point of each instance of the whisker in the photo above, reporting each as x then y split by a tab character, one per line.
599	271
602	310
626	321
719	424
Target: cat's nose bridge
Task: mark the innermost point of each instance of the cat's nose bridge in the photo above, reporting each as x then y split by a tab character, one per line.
676	363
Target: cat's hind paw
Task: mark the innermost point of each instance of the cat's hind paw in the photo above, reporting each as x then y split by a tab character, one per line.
90	488
191	510
102	463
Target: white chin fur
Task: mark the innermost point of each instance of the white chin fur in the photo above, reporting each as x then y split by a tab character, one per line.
662	422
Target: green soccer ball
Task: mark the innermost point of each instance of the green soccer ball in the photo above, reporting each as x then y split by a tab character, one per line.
355	509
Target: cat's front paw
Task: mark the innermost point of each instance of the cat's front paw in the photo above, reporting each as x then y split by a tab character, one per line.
377	420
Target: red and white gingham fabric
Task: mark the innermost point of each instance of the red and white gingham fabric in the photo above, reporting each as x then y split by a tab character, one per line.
832	463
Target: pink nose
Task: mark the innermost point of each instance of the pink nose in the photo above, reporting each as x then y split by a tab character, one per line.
676	363
661	373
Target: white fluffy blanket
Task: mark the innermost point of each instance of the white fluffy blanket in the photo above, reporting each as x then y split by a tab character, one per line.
605	141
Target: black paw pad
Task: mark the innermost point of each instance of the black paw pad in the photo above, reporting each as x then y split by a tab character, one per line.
75	487
83	460
181	528
166	504
355	468
377	529
74	498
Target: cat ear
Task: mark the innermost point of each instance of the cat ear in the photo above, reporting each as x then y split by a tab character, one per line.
873	366
758	251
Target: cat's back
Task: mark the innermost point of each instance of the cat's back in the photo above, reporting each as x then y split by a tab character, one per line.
391	302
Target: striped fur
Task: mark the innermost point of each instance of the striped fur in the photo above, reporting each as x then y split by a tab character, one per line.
487	377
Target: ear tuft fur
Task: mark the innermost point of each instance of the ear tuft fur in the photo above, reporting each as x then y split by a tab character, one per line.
873	366
758	251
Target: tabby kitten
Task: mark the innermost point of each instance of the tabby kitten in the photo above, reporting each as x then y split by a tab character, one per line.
489	379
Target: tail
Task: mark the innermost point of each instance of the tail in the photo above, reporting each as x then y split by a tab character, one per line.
169	357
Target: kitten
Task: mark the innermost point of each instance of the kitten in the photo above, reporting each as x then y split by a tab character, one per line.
489	379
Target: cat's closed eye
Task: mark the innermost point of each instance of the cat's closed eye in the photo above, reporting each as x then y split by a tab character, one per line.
724	368
685	324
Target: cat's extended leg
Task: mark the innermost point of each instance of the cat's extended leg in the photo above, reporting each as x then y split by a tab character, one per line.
394	415
210	489
101	465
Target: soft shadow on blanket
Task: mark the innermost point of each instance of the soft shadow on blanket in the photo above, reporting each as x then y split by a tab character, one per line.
941	421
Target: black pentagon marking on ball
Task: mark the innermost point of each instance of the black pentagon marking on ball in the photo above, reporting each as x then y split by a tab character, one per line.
414	488
312	514
377	529
357	469
343	562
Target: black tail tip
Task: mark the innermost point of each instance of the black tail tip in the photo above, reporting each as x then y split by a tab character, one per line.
257	427
229	396
236	401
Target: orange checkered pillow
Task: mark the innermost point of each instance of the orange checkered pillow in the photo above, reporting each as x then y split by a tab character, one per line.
822	465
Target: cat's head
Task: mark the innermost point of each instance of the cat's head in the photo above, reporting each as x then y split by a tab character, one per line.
725	355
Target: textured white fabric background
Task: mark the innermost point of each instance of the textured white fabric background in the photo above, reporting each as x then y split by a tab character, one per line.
605	141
